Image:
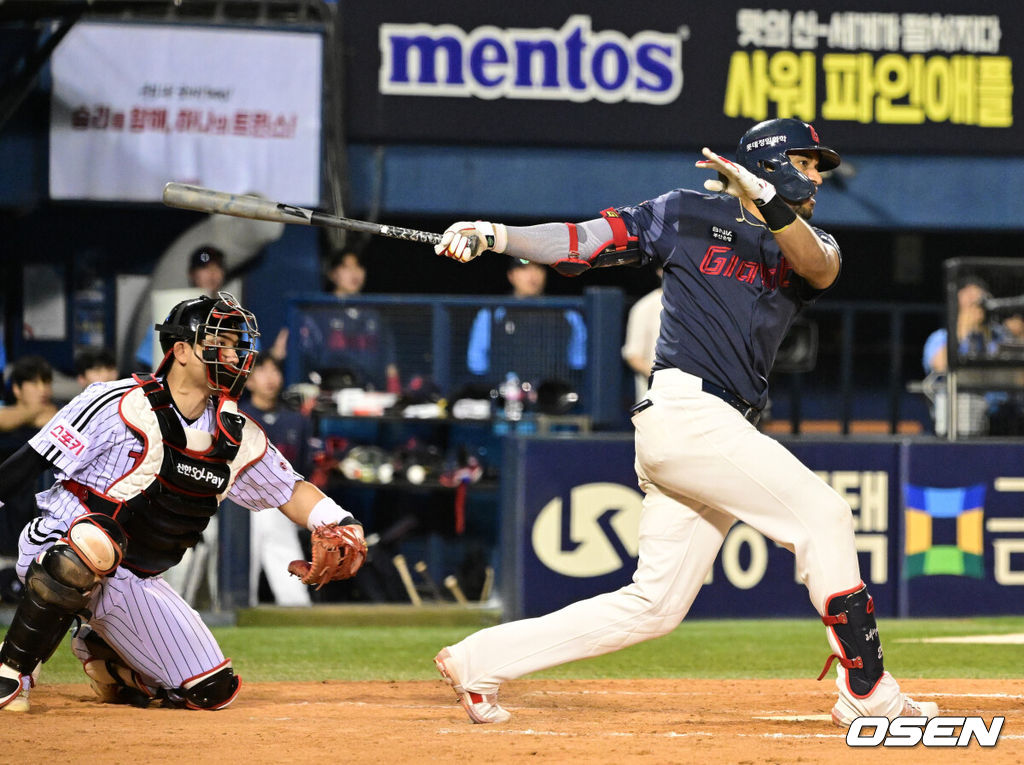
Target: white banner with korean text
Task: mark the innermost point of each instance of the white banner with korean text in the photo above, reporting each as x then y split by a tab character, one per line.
136	106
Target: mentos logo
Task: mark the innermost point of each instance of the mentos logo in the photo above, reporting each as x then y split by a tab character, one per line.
573	63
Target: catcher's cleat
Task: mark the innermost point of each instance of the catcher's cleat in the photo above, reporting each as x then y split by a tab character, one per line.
107	680
13	689
481	708
885	701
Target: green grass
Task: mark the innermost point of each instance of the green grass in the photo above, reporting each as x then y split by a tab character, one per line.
786	648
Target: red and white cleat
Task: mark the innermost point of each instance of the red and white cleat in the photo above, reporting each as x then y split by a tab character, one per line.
481	707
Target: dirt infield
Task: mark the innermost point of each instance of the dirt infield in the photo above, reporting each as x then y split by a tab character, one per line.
588	721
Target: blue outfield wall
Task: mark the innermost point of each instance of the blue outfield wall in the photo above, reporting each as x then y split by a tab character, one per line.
895	192
940	528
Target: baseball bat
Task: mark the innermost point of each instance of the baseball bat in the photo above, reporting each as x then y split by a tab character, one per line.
403	574
453	586
485	590
186	197
424	572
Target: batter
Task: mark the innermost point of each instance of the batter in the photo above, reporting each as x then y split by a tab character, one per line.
740	262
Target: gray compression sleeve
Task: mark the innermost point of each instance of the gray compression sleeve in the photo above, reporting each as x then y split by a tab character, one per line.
548	243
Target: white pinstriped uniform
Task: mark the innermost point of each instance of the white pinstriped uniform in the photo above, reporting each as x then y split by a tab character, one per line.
156	632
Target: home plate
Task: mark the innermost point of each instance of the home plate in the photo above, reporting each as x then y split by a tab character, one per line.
796	718
1016	638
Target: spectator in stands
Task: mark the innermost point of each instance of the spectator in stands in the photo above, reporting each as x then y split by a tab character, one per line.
352	346
239	240
31	405
642	327
515	340
975	339
207	273
274	540
29	408
95	365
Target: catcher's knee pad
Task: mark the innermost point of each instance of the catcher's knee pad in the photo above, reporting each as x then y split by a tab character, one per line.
853	634
214	689
98	540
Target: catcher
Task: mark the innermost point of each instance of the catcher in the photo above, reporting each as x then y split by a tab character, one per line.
142	464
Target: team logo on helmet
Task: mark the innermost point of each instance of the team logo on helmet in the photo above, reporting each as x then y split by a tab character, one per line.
764	150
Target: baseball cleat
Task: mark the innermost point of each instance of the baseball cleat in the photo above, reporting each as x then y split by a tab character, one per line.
13	691
843	714
481	708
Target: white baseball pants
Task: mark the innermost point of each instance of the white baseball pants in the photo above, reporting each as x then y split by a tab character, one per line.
701	467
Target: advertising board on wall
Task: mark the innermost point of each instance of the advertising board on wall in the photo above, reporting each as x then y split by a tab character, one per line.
135	106
897	76
939	529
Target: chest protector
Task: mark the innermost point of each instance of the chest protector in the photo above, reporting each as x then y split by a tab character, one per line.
166	500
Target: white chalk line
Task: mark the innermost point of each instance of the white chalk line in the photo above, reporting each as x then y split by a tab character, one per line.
788	693
1016	638
475	730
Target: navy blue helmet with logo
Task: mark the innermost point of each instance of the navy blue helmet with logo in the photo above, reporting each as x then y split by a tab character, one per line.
764	150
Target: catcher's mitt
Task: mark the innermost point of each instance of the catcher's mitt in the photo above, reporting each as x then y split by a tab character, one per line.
338	552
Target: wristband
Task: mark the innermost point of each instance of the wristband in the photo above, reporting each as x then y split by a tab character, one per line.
777	214
495	235
325	512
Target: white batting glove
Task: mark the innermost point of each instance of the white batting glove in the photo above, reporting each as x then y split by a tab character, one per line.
739	182
465	240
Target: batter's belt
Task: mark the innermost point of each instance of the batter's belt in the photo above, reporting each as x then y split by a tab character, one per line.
750	412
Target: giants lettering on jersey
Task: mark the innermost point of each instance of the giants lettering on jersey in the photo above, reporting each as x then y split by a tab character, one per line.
67	439
717	262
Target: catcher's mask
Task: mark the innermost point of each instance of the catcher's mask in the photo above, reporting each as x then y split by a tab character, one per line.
764	150
222	335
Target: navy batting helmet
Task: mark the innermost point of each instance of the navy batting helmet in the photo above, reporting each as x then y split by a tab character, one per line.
200	322
764	151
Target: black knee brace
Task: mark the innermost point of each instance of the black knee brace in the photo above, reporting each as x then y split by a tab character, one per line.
851	618
57	587
211	690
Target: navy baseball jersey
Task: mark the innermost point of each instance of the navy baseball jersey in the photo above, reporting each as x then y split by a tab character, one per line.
347	338
729	294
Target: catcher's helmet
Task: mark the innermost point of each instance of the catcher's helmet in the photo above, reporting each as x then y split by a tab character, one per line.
764	151
201	322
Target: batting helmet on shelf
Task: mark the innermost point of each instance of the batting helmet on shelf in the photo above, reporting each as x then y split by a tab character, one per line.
764	150
202	322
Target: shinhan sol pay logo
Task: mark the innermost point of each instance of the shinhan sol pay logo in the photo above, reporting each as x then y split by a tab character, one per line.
573	63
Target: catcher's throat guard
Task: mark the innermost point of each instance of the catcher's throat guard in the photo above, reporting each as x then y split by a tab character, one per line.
222	334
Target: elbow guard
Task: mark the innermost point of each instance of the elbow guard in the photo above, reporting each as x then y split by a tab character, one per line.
614	252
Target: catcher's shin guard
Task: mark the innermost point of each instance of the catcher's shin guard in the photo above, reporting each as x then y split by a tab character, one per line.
57	587
853	635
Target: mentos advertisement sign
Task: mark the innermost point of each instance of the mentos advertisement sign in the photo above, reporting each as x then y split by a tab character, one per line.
575	62
651	74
